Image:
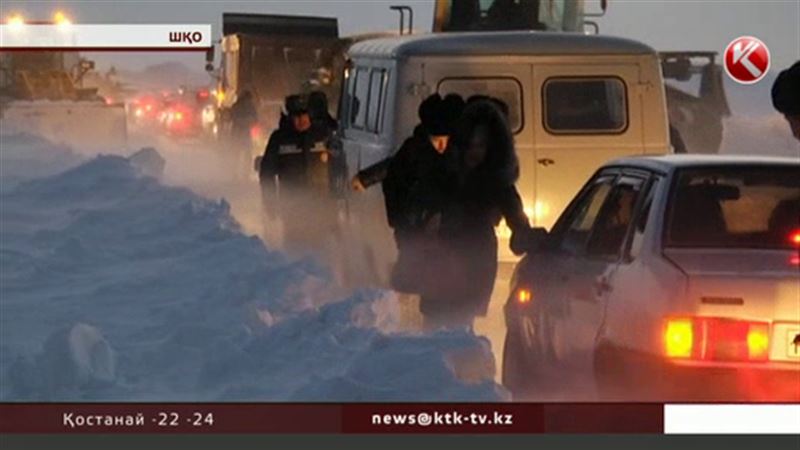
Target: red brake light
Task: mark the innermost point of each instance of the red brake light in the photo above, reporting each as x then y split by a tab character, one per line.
716	339
794	237
255	132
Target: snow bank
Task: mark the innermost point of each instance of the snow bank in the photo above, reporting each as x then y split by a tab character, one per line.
24	156
116	287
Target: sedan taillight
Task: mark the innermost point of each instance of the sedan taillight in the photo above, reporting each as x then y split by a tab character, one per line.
716	339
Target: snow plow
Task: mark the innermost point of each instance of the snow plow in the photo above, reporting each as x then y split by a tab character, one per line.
696	109
42	93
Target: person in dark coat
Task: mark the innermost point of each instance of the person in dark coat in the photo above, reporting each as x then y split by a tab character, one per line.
296	180
786	97
318	109
480	192
437	116
243	117
322	119
421	157
296	154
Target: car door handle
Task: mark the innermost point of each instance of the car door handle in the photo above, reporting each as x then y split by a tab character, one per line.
545	162
602	285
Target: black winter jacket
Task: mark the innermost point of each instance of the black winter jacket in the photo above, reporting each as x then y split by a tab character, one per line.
299	159
405	182
472	205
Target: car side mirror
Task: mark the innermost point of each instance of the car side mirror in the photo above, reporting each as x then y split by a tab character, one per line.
537	239
257	163
529	241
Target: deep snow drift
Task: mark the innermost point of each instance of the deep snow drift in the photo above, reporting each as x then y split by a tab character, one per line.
116	287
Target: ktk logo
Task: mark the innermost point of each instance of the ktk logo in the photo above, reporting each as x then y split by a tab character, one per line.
747	60
189	37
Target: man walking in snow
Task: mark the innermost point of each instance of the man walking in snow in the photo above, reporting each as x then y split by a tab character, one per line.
295	177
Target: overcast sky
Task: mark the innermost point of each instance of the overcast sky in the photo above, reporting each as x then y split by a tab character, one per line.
665	25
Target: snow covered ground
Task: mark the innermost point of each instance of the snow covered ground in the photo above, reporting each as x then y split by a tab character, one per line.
114	286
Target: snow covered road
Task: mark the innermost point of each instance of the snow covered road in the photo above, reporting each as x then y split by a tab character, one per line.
115	286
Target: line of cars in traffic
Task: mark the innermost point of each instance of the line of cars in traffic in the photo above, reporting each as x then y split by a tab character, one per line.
180	113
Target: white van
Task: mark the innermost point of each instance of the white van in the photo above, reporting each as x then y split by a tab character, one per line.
575	101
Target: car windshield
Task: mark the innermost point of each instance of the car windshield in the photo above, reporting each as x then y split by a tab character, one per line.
741	207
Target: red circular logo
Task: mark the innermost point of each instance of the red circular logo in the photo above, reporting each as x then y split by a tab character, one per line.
746	60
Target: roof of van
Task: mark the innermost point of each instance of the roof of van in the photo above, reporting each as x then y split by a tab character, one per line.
497	43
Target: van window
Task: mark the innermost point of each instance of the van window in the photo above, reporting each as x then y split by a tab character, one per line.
594	105
358	108
376	99
366	90
506	89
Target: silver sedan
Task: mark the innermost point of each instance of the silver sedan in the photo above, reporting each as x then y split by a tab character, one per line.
674	277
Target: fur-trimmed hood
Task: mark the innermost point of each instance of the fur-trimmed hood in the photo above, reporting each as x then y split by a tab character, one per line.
500	169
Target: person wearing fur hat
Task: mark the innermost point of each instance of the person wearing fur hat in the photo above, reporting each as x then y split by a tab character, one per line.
480	191
295	178
422	156
296	152
786	97
436	118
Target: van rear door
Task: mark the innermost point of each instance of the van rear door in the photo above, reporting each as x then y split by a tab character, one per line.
584	115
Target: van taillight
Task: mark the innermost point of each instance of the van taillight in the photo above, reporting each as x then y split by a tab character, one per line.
716	339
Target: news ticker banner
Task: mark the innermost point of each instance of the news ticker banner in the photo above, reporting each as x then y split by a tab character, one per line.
105	37
382	418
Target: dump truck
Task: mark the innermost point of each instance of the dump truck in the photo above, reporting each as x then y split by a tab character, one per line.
270	57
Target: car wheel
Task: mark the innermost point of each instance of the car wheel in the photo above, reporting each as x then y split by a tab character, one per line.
616	380
522	357
604	379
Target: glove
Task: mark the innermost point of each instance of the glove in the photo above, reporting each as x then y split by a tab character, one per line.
527	240
518	242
